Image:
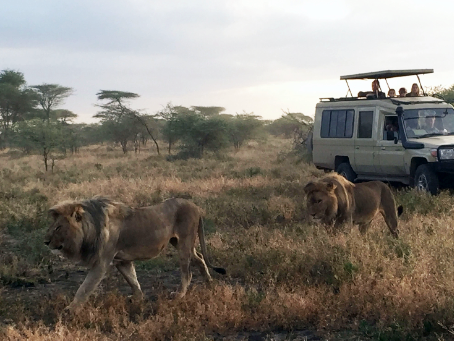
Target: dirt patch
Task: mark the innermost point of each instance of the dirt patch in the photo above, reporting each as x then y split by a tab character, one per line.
66	279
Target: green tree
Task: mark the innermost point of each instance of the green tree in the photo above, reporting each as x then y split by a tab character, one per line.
242	127
43	136
115	115
439	91
51	96
72	137
122	130
63	115
170	116
199	133
289	124
16	101
90	134
208	111
44	133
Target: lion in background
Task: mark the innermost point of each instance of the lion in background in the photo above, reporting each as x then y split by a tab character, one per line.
98	231
334	200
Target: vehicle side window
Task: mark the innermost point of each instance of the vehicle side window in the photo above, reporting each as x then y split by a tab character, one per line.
390	125
337	123
365	124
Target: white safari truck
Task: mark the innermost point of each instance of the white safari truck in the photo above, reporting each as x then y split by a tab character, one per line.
402	139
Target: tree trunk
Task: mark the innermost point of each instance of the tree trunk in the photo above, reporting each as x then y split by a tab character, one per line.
45	154
124	144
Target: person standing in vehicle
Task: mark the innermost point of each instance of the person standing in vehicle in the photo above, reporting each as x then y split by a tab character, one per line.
391	93
376	93
415	91
402	92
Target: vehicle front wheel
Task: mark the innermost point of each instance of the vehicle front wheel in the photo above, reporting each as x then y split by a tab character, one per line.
345	170
425	179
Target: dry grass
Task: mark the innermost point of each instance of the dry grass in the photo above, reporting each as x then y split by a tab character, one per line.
283	272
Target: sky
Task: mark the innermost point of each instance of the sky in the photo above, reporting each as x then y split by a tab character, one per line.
248	56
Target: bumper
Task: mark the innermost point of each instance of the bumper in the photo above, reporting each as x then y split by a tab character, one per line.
443	166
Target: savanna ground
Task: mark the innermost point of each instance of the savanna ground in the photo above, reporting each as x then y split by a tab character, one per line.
287	278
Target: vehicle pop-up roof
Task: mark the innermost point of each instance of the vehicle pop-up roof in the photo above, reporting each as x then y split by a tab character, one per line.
387	74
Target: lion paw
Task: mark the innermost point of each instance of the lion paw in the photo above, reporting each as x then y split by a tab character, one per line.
69	312
134	298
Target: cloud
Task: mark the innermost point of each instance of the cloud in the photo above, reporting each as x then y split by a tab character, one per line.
254	55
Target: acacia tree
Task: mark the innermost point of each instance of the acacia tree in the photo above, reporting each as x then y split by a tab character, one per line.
64	115
117	113
45	133
16	101
51	96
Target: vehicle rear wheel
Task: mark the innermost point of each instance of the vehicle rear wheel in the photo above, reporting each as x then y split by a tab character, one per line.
345	170
426	180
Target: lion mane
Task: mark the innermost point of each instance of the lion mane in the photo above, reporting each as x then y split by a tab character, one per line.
334	200
99	231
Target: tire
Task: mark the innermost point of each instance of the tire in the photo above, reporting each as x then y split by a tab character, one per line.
426	180
345	170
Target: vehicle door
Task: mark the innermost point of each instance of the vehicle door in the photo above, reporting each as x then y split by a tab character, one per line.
390	155
365	142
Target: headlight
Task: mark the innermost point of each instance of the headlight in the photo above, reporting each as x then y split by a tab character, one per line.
445	154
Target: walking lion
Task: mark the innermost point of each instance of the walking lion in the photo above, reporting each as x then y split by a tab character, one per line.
98	231
334	200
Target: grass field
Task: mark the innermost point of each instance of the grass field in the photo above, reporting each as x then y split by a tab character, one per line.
285	274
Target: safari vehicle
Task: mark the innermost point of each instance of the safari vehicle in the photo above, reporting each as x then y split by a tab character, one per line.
352	136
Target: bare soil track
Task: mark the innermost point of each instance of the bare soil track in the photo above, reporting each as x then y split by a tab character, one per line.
64	279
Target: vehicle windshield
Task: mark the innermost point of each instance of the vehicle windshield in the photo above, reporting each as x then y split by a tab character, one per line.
420	123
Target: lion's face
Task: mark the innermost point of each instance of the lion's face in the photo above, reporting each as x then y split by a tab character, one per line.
322	202
65	235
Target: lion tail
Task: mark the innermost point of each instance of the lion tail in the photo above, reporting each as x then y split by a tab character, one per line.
204	248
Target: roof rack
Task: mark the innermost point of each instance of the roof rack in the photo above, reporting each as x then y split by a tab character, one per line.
415	100
351	99
341	99
395	100
387	74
